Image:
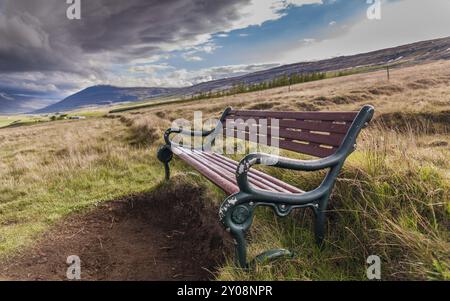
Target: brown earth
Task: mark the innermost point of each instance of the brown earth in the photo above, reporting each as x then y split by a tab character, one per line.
169	234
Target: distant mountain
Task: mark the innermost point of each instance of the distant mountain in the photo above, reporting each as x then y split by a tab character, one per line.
104	95
410	54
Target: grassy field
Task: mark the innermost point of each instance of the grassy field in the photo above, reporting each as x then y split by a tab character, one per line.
391	200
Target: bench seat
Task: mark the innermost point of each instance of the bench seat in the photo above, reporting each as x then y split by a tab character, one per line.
222	172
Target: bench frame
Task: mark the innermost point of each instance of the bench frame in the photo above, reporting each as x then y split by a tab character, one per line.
237	211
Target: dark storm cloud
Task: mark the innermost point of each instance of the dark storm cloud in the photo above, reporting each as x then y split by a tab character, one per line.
37	36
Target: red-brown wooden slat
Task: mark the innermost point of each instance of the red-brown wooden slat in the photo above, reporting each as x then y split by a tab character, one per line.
221	171
319	126
255	178
276	181
311	148
215	168
331	139
210	165
229	173
327	127
308	149
216	178
331	116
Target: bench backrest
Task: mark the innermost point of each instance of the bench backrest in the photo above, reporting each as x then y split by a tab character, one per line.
313	133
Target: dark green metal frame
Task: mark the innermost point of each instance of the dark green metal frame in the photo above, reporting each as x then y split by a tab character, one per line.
237	211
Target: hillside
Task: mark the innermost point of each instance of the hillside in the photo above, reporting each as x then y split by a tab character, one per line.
426	51
104	95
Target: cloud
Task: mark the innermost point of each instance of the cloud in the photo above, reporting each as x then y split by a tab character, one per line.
37	36
402	22
150	68
259	11
5	96
41	50
187	78
183	77
192	58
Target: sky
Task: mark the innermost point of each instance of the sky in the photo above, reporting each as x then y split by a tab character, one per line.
45	56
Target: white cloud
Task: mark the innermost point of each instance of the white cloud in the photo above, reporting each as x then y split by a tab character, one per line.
187	78
5	96
308	40
192	58
303	2
149	69
151	59
259	11
183	77
402	22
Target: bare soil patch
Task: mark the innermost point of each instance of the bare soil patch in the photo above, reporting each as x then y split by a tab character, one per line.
169	234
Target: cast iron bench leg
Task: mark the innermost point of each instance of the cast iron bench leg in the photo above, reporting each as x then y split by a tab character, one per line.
241	248
319	221
165	155
237	217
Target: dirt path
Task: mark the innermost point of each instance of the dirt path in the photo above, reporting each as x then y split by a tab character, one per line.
169	234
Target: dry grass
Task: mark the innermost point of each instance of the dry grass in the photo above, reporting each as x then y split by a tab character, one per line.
50	170
343	93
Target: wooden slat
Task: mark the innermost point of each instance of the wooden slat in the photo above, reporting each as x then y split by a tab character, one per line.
261	181
331	139
319	126
276	181
221	171
315	126
227	185
231	169
212	169
330	116
311	148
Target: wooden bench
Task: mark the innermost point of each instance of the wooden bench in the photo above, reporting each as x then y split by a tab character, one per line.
329	136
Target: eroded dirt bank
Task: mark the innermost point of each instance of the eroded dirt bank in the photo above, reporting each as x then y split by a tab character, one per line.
169	234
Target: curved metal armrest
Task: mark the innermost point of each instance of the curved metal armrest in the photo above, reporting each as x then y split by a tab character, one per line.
170	131
195	133
287	163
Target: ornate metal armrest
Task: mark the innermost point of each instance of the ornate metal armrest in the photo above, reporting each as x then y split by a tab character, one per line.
170	131
191	133
286	163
